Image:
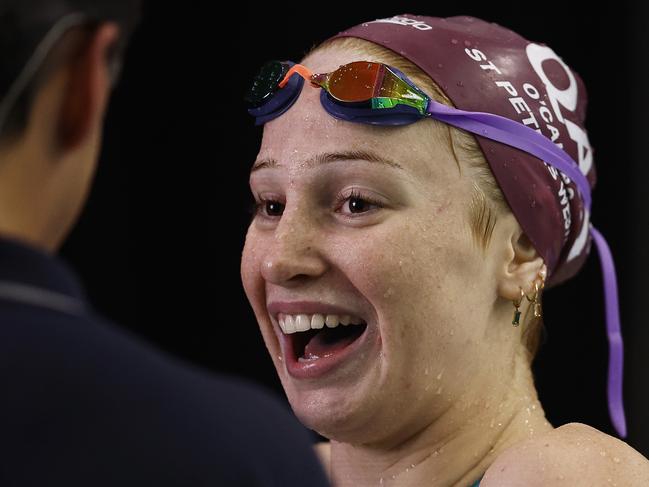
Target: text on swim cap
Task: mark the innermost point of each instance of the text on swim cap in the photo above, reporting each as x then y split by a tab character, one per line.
399	20
558	98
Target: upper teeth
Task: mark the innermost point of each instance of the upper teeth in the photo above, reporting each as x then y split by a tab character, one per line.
303	322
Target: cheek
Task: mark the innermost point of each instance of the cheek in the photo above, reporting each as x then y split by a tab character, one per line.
413	272
398	259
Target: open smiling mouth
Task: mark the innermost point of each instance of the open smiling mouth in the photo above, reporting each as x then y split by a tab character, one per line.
316	344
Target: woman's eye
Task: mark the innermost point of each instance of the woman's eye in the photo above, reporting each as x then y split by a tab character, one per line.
267	207
273	208
359	204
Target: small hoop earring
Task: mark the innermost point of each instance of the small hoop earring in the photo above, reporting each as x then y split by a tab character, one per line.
534	301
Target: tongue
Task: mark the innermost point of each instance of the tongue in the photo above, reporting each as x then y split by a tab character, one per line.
330	340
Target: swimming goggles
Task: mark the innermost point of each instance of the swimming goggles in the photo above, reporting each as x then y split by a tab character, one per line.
375	93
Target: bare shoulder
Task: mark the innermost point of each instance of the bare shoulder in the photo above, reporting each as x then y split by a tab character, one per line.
574	454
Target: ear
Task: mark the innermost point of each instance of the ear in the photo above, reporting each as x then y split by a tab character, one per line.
88	85
522	267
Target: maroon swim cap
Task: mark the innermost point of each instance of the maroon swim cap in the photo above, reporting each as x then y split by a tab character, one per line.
484	67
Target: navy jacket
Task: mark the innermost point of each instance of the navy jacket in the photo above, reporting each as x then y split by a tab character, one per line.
84	403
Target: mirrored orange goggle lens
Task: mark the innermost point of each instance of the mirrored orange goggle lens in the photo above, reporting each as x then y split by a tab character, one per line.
356	82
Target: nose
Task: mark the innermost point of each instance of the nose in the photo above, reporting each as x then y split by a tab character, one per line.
294	253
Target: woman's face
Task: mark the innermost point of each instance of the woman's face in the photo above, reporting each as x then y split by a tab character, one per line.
398	254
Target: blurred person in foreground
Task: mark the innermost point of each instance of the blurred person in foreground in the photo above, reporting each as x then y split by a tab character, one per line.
84	402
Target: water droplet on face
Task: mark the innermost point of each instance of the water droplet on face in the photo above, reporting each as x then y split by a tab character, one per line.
460	84
533	204
279	357
426	371
439	390
616	459
439	376
602	453
467	43
440	65
453	41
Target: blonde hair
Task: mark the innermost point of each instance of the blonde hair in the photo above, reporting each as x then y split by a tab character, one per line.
487	202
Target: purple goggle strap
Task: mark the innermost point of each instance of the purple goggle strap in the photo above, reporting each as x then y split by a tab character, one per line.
517	135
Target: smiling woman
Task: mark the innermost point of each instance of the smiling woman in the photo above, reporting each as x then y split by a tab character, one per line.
384	257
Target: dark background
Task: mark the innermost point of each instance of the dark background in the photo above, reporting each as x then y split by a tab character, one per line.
159	244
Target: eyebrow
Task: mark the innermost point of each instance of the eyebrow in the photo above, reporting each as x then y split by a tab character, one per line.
328	157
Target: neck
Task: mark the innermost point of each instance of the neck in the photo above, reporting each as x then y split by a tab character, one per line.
28	193
457	447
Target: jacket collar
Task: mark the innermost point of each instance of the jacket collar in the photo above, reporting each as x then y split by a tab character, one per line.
24	263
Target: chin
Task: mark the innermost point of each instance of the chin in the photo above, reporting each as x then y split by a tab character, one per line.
338	412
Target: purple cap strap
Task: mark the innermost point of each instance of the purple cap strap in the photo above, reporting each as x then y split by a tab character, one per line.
615	344
515	134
